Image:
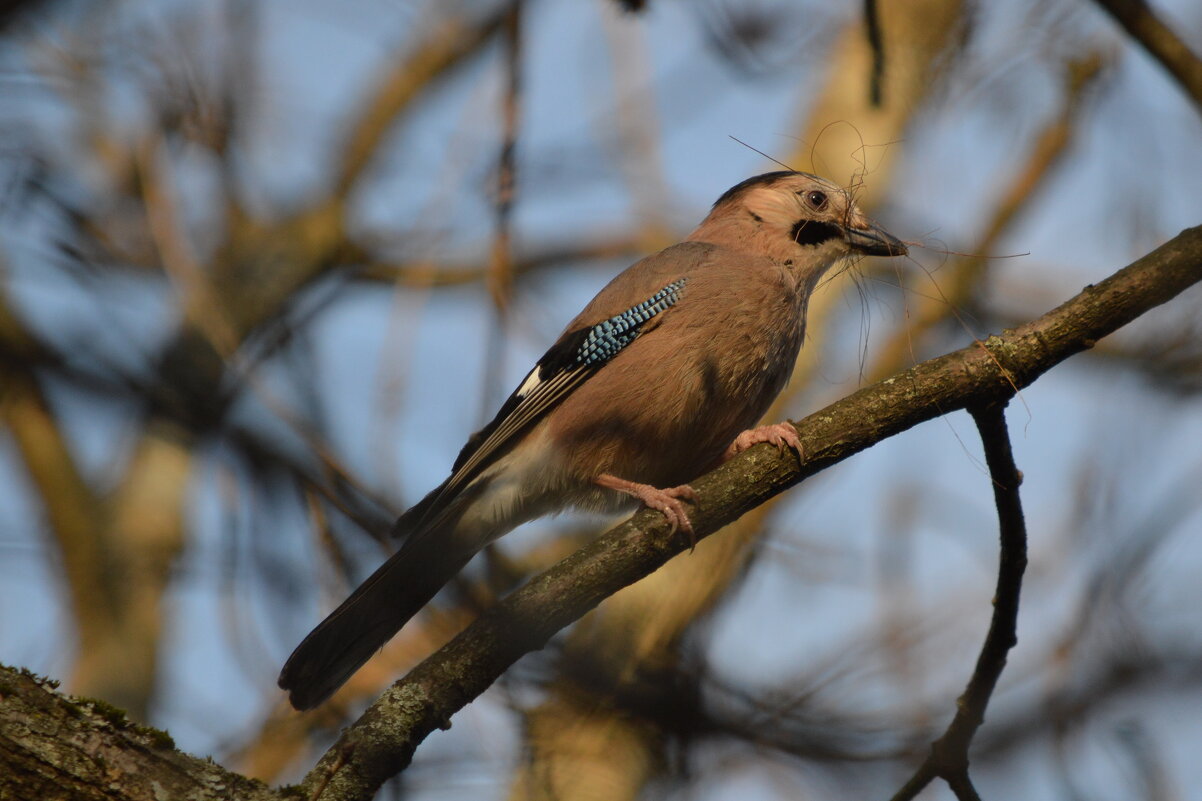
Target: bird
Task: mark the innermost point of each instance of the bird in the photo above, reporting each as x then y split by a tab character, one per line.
661	377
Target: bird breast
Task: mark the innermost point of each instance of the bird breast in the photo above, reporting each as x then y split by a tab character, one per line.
677	396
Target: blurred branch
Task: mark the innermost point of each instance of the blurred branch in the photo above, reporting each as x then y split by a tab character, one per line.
436	275
948	759
846	136
143	535
1148	760
872	32
18	345
1046	154
1102	682
499	281
383	740
99	584
321	473
439	52
11	10
500	270
200	302
73	511
1161	42
638	138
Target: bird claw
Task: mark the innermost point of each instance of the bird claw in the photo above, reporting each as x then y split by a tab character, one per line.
781	435
665	501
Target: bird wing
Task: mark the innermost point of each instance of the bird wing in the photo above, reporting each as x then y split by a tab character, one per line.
579	354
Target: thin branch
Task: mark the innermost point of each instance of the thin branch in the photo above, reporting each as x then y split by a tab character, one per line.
500	265
436	275
949	754
1161	42
872	31
500	272
383	740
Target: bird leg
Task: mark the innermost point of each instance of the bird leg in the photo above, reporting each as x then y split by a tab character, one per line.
666	501
778	434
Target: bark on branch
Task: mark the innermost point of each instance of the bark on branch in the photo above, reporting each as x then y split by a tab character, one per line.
55	747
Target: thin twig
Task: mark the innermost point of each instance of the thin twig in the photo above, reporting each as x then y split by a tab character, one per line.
949	754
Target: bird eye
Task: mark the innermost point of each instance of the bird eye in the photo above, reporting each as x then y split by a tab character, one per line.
817	200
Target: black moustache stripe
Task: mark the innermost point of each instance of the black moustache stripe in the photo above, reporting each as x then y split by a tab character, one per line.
811	232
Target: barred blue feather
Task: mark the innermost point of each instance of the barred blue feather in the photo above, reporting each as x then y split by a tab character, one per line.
606	339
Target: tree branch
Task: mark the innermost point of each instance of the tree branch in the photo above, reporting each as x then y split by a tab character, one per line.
949	754
383	740
1161	42
52	746
872	32
440	51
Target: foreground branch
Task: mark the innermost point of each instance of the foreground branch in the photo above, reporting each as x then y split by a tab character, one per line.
382	741
52	747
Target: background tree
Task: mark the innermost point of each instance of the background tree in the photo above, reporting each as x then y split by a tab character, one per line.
264	266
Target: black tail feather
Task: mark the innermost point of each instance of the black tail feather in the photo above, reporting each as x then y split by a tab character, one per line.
372	614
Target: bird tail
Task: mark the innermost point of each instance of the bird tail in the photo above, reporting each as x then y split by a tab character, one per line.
378	608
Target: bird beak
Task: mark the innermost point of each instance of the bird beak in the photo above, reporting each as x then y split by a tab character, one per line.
874	241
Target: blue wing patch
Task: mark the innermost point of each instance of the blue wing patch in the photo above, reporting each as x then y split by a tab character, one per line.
606	339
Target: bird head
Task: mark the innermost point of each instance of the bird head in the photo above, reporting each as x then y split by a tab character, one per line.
798	215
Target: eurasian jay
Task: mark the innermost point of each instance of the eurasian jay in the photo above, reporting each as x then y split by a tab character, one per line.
646	389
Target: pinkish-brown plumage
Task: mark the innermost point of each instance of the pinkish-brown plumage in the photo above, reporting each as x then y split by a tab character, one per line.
648	387
673	402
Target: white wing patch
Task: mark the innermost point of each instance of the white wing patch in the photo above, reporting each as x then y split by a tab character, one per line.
532	381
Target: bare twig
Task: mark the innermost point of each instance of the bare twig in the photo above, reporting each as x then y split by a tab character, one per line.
440	51
949	754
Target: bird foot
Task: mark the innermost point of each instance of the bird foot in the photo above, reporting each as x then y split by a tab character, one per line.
778	434
666	501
